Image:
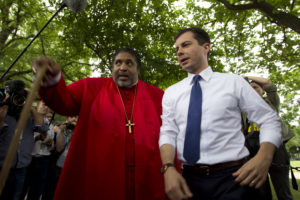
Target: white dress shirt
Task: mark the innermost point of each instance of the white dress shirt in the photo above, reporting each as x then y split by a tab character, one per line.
224	97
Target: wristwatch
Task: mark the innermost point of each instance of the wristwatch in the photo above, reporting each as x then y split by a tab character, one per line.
165	167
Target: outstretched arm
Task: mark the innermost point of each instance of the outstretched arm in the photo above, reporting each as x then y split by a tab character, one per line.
175	186
260	80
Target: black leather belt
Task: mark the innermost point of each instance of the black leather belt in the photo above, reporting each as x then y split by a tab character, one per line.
209	169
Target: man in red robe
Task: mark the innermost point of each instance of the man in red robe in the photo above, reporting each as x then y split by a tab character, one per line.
114	151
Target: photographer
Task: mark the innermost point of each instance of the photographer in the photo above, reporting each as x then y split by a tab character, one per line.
37	171
64	135
64	139
11	104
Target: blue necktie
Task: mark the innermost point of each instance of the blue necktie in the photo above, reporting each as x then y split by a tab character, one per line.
191	151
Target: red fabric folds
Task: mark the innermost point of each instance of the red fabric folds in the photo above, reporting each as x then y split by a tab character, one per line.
95	165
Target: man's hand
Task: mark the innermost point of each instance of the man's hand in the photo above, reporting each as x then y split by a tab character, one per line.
41	136
52	71
49	142
254	172
175	185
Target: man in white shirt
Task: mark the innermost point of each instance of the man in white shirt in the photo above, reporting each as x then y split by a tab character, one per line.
220	170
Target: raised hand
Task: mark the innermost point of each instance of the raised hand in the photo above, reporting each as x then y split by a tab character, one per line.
53	69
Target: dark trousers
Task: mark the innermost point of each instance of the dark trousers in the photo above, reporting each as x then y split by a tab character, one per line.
36	178
279	173
14	184
218	186
52	177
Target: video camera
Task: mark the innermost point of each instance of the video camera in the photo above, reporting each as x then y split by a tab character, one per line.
70	126
17	96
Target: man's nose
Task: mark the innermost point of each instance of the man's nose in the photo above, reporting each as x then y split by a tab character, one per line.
179	52
123	67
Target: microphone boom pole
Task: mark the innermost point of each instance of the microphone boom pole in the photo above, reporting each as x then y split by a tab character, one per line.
19	56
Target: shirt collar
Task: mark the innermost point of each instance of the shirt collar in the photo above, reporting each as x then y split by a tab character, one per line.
205	75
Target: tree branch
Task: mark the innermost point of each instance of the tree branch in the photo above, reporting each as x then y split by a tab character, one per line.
279	17
66	75
292	5
76	62
10	76
17	38
238	7
97	54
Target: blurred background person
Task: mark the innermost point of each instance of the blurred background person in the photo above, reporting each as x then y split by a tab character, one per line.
10	108
279	169
38	169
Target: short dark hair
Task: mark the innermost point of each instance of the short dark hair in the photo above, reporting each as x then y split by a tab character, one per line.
131	51
199	34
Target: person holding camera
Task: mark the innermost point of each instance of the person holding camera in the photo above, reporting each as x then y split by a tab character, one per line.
63	141
12	101
38	169
51	182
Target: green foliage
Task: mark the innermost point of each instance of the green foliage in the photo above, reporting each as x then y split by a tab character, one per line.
293	145
243	41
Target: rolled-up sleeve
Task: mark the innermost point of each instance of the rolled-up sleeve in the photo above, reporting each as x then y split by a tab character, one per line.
169	129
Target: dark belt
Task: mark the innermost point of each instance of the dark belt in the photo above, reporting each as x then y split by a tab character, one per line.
209	169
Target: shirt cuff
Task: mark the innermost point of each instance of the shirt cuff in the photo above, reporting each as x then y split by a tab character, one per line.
54	80
270	136
164	139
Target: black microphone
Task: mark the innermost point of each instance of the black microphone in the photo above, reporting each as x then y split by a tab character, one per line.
75	5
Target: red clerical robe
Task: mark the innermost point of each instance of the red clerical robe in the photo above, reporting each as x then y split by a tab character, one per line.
95	165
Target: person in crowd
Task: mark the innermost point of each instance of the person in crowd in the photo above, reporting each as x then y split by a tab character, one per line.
10	109
202	120
114	151
279	169
63	142
38	169
51	182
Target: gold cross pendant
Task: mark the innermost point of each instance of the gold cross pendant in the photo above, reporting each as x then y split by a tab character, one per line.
129	124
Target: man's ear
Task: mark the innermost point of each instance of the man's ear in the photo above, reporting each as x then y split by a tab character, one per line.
206	46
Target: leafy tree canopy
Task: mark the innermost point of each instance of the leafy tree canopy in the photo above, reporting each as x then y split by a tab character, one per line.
259	36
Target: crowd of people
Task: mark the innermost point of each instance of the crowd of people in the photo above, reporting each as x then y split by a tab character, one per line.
209	136
42	148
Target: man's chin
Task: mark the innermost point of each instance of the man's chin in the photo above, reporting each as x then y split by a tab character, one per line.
123	84
186	68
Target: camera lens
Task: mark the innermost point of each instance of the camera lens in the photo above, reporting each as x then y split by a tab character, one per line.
18	100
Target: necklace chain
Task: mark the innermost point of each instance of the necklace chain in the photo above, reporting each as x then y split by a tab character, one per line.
129	122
